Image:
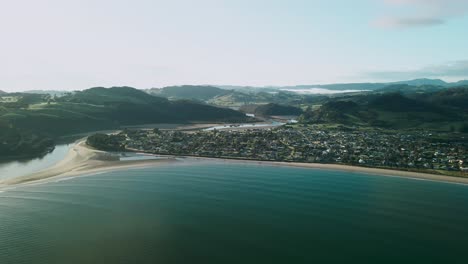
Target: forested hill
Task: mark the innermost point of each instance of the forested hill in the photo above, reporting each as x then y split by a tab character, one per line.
444	110
114	95
356	86
456	98
27	117
201	93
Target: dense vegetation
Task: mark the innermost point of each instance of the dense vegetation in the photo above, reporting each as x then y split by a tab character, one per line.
17	143
422	103
41	116
192	92
106	142
29	121
456	98
369	86
224	97
443	110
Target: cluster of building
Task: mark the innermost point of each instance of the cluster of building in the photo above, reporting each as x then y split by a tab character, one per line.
373	148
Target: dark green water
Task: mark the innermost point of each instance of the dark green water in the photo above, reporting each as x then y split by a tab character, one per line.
228	213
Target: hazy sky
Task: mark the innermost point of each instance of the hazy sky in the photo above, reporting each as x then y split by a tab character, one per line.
76	44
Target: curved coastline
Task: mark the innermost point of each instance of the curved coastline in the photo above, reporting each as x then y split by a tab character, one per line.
82	159
346	168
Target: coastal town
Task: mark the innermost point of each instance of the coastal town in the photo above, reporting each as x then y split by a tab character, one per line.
408	150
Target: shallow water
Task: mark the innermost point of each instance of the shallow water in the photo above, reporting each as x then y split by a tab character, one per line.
215	212
10	169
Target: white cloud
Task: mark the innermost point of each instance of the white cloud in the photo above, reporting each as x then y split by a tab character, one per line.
421	13
393	22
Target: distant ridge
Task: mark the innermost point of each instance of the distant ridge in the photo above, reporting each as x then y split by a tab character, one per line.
205	92
2	92
423	81
49	92
195	92
376	86
459	83
359	86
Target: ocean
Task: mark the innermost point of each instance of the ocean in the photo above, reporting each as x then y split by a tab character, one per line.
217	212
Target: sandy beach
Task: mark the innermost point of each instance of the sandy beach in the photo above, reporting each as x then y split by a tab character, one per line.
82	159
348	168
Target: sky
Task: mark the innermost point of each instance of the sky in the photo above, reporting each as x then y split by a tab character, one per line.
77	44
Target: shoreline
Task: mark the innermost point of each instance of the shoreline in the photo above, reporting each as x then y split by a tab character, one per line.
353	169
83	159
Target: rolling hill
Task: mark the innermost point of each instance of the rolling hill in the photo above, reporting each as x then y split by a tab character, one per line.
395	111
410	89
224	97
129	106
358	86
191	92
38	116
456	98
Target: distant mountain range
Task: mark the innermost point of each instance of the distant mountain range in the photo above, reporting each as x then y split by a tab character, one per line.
194	92
215	95
355	86
207	92
255	96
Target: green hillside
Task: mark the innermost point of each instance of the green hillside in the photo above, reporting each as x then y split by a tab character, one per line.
456	98
394	110
355	86
238	99
109	96
192	92
410	89
43	117
226	97
234	98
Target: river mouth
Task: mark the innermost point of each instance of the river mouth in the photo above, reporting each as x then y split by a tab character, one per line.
16	168
20	167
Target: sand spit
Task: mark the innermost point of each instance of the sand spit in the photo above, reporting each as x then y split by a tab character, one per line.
82	159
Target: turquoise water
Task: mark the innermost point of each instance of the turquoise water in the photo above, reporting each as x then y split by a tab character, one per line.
234	213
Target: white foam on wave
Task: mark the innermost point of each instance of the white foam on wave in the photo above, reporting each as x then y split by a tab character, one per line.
64	179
